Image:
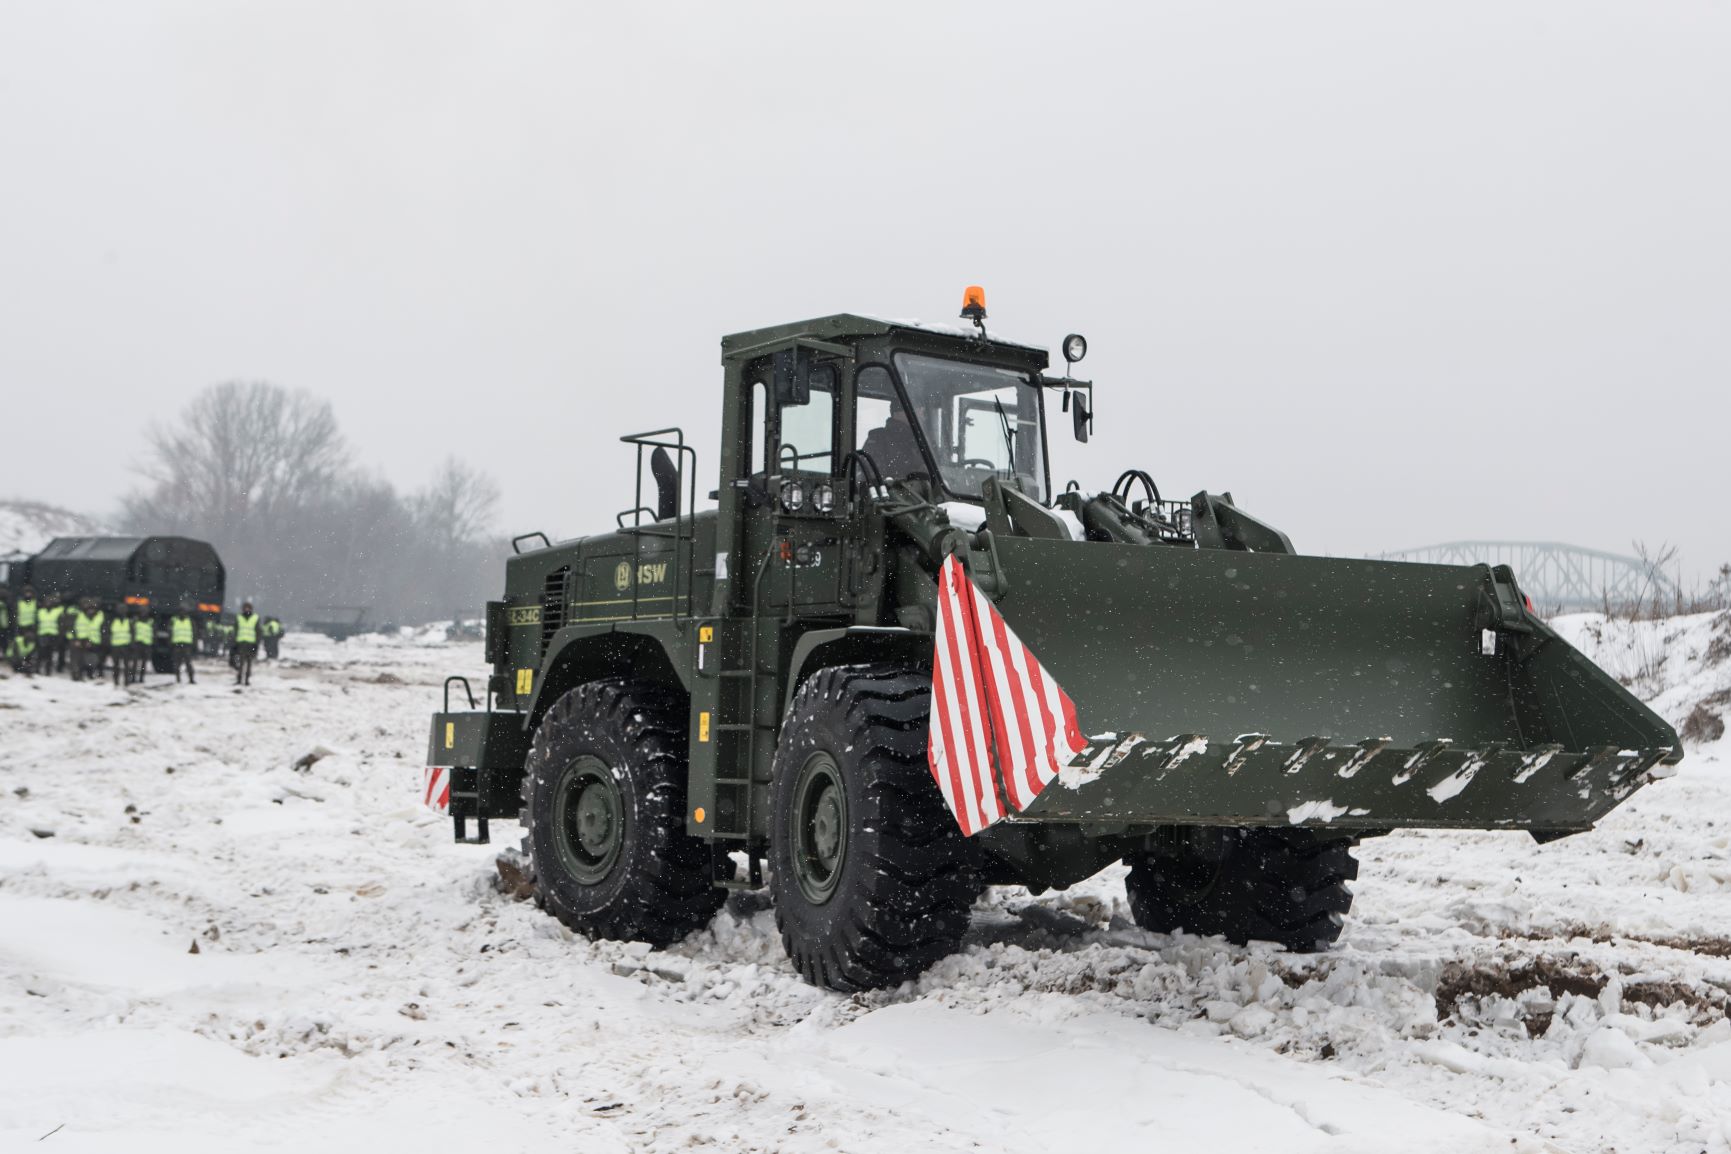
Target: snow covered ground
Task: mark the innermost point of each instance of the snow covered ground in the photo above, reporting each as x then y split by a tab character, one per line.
202	948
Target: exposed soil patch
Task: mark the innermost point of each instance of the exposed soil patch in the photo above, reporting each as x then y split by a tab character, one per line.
1510	979
1706	1005
1709	946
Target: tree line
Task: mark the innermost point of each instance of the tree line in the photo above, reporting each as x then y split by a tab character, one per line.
263	473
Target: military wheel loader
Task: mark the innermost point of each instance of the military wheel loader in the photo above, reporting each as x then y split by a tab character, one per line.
891	666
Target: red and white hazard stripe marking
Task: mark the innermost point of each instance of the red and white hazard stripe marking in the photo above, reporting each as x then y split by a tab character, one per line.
1001	728
437	794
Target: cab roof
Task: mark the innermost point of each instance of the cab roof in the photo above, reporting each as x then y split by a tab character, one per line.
852	326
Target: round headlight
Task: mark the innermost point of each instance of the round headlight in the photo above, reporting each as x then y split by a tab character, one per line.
792	496
1075	347
823	497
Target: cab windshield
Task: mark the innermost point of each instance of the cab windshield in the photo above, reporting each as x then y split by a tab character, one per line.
976	421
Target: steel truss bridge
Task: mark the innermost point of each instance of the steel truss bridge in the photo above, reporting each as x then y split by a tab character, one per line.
1558	576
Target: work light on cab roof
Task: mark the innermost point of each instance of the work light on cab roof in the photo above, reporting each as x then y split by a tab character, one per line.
974	307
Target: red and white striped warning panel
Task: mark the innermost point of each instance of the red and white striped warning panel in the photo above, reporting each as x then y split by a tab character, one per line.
1001	728
438	792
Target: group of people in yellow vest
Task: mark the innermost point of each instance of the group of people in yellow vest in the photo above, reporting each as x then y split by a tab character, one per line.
84	638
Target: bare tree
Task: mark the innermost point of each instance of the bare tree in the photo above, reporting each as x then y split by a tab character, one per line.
261	472
458	506
241	454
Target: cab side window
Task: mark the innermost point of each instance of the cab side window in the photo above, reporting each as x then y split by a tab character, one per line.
807	442
756	453
882	430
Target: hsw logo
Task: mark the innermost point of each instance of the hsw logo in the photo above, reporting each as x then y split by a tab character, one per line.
1001	728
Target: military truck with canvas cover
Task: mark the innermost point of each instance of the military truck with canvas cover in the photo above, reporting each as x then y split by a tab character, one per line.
159	575
892	665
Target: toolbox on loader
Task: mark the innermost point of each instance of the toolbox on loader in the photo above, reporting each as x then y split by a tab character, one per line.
459	749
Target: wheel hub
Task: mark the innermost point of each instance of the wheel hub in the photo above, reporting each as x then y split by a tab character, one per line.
588	820
819	833
594	820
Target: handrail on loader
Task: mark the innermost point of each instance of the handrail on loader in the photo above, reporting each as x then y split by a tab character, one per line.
466	689
684	515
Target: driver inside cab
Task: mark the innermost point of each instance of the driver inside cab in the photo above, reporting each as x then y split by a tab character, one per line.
894	448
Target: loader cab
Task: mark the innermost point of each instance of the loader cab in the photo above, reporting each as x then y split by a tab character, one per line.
807	402
818	413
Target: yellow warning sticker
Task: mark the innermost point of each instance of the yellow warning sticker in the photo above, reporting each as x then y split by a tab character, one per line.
703	726
525	682
450	734
706	633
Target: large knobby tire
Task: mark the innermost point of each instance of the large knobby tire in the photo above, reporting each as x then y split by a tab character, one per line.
871	877
604	816
1280	886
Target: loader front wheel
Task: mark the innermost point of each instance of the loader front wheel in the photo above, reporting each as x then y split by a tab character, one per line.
1282	886
604	816
871	878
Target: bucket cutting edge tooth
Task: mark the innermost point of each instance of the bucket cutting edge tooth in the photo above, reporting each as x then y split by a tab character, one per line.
1305	750
1423	754
1535	759
1246	745
1592	759
1644	762
1177	751
1365	751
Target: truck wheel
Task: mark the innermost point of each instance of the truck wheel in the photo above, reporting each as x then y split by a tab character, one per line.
872	879
1271	886
604	816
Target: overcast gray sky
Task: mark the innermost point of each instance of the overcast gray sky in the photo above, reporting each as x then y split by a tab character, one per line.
1392	273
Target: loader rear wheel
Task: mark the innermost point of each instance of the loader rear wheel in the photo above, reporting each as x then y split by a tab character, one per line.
604	816
872	880
1270	886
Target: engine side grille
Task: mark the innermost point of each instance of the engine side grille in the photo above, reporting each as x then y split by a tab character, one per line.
553	603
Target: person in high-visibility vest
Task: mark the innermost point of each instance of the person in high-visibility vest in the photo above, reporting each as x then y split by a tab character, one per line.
21	652
182	634
143	641
88	622
24	614
120	644
48	634
245	643
271	633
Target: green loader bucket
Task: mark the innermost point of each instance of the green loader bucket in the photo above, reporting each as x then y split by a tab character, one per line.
1238	688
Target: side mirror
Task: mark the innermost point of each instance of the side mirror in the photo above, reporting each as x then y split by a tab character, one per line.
1080	418
793	374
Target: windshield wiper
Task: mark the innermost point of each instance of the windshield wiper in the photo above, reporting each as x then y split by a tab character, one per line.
1009	437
